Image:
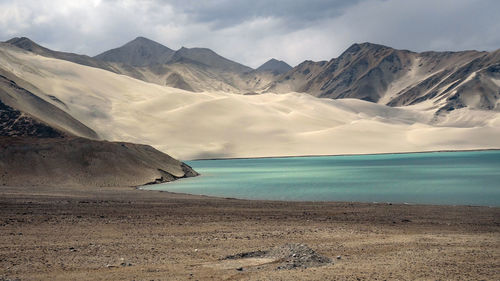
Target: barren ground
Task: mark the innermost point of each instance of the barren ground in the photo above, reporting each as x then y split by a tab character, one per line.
87	234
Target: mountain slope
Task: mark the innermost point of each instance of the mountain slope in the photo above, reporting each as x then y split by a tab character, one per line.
82	162
30	46
217	124
207	57
384	75
138	52
32	153
191	69
42	144
23	107
296	78
14	123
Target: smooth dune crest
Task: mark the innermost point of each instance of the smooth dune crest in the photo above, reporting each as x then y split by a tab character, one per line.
191	125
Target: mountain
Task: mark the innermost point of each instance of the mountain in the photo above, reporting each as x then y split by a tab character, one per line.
42	143
444	81
294	79
217	124
138	52
275	66
208	58
191	69
393	77
145	52
28	45
70	161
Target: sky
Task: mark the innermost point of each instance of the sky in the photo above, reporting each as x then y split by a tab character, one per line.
253	31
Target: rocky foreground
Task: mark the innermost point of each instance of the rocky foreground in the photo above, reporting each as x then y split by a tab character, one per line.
127	234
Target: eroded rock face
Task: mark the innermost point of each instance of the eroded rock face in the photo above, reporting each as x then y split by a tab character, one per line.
15	123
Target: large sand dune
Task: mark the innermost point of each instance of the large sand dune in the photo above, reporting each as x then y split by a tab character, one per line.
216	124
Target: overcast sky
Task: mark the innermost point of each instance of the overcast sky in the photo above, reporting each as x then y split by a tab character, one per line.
253	31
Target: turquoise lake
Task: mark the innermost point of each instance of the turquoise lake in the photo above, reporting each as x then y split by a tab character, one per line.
451	178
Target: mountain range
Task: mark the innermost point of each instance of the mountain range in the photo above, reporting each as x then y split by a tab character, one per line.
392	77
193	103
366	71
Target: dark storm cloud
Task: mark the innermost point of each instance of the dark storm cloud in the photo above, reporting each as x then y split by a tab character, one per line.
253	31
224	13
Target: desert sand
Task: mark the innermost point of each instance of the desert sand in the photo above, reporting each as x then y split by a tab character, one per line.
128	234
189	125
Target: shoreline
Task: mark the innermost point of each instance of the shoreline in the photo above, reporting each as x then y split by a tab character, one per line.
345	154
313	201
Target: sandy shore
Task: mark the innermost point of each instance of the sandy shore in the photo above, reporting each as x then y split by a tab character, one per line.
128	234
351	154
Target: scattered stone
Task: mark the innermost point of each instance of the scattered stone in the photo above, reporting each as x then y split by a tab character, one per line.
339	257
256	254
240	269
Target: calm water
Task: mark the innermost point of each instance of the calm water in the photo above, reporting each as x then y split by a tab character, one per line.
465	178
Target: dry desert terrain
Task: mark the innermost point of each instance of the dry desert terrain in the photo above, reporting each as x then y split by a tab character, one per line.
49	233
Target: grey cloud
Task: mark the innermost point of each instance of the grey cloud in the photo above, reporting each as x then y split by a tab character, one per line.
251	32
224	13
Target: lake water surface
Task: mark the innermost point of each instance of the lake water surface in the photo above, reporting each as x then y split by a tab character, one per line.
452	178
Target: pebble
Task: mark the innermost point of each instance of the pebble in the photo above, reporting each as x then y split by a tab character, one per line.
339	257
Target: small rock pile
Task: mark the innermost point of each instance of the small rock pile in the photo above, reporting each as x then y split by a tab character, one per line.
297	256
288	256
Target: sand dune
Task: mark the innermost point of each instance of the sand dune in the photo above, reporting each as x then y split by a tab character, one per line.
191	125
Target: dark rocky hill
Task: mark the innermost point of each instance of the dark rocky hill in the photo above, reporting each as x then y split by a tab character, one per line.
275	66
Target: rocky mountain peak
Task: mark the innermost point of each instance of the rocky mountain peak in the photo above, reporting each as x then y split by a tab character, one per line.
365	47
275	66
139	52
24	43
